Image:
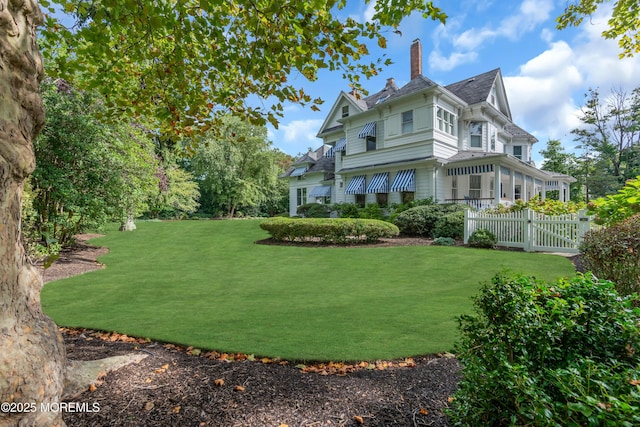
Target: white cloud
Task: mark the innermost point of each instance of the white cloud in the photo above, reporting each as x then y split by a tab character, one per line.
441	63
297	135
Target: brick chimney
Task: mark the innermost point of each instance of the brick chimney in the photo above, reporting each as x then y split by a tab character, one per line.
416	59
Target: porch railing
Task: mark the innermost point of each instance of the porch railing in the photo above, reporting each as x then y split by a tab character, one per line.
478	204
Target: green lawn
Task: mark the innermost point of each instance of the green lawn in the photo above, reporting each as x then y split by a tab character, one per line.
206	284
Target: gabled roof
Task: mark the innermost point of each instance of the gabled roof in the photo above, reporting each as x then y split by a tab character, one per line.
475	89
517	131
315	161
415	85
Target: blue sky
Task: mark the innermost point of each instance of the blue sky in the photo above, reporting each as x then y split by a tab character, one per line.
546	72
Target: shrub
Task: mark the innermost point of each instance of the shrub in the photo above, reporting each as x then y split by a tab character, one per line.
372	211
482	238
314	210
617	207
328	230
444	241
421	220
613	253
347	210
450	225
549	355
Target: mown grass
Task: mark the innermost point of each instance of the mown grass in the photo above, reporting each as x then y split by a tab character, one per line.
207	284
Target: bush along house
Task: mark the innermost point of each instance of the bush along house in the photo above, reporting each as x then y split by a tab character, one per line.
455	143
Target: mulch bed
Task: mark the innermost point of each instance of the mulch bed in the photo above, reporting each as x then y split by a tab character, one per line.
176	386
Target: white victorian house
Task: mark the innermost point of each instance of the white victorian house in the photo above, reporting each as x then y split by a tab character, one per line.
455	143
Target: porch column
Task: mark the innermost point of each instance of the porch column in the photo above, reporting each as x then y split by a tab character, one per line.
496	184
512	185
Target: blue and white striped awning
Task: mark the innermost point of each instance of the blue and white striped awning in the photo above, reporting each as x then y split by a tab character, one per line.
368	130
299	171
321	191
468	170
356	185
379	183
341	145
404	181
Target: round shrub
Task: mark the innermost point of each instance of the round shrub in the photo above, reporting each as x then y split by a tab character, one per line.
482	238
421	220
328	230
450	225
347	210
444	241
538	354
613	253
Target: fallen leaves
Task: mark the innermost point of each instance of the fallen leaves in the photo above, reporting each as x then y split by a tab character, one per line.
337	368
219	382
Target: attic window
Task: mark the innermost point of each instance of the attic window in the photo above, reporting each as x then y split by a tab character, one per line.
345	111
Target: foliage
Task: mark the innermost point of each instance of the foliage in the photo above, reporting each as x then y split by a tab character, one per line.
609	132
444	241
347	210
87	172
613	253
314	210
328	230
178	197
421	220
549	354
397	208
202	60
482	238
450	225
373	211
623	24
616	208
237	169
546	206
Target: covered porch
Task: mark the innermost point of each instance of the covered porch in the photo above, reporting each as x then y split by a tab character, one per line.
486	180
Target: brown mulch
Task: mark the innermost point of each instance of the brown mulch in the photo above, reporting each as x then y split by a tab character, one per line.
175	386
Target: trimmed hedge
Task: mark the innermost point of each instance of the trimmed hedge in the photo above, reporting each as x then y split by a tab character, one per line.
328	230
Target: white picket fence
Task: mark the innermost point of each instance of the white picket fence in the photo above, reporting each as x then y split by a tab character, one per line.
531	231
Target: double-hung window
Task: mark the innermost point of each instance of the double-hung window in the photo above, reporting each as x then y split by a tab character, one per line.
475	186
517	151
475	130
407	121
301	194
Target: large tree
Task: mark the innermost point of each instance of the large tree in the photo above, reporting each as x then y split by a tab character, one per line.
609	134
176	64
556	159
237	168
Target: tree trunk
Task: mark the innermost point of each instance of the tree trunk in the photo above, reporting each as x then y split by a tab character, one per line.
32	356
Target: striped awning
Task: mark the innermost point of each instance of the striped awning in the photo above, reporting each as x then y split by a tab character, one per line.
379	183
341	145
321	191
404	181
368	130
356	185
299	171
468	170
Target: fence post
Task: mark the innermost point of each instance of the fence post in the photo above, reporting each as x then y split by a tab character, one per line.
466	226
527	223
584	225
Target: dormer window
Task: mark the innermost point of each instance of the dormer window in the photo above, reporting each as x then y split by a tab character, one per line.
494	99
345	111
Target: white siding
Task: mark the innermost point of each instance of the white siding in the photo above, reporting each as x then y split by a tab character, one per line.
388	155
